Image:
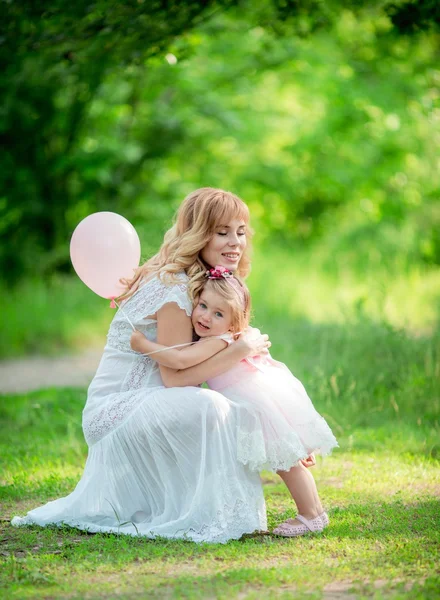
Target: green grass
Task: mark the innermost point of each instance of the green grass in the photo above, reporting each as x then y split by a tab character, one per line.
378	388
367	349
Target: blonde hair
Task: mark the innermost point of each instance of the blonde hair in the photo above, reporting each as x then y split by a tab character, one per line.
193	227
240	304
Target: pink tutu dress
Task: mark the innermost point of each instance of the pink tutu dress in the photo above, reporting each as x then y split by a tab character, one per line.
277	423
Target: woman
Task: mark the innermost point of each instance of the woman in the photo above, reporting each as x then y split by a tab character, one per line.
162	459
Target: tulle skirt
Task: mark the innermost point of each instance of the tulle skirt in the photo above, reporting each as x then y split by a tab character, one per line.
277	424
170	469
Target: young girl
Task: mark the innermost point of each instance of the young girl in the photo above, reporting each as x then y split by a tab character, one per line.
278	426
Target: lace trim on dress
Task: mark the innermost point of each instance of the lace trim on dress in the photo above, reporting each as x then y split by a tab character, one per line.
317	436
234	519
278	455
110	416
286	452
153	294
230	523
137	377
119	334
146	301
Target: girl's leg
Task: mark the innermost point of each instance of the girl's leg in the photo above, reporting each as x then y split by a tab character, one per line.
302	487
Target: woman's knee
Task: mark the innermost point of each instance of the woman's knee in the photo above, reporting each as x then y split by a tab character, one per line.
194	408
216	408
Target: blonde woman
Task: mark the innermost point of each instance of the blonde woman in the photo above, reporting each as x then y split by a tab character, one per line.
162	459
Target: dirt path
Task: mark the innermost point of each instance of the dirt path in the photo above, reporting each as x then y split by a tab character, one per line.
26	374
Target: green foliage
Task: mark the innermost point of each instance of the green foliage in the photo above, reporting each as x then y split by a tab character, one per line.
61	56
320	115
412	16
326	288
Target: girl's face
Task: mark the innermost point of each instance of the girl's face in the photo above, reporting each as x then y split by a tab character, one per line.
212	315
226	246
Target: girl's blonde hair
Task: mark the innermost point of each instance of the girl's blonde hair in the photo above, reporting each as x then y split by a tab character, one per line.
240	303
194	224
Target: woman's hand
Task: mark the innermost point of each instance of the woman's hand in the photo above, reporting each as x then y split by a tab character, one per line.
136	341
254	342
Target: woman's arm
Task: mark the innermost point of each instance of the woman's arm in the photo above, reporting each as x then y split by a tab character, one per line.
174	327
177	358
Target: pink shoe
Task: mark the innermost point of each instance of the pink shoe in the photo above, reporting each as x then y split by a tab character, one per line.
288	529
324	518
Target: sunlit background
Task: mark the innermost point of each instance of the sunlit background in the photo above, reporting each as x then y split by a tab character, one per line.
326	122
325	118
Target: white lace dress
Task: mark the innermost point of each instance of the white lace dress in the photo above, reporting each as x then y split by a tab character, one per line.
162	461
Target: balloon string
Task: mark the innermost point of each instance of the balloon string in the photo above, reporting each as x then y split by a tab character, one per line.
122	311
168	348
212	337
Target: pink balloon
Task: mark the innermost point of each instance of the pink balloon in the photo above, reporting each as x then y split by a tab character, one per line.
105	247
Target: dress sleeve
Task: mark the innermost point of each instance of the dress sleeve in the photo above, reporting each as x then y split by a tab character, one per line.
156	293
227	337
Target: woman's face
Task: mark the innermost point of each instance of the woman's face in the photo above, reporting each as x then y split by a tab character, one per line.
226	246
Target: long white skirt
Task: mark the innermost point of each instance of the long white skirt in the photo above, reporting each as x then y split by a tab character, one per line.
170	469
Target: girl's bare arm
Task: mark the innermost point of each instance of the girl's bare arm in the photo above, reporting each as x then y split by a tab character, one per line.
177	358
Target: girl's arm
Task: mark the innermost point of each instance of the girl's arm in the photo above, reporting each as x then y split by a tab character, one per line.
177	358
174	327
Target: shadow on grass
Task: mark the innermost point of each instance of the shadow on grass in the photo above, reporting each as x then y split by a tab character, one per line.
364	543
373	520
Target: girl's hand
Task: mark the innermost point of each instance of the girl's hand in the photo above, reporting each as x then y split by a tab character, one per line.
136	341
254	342
310	461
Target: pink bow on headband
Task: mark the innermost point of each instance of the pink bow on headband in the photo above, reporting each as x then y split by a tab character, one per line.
220	272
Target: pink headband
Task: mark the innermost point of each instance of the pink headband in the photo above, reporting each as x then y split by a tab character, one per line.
222	273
